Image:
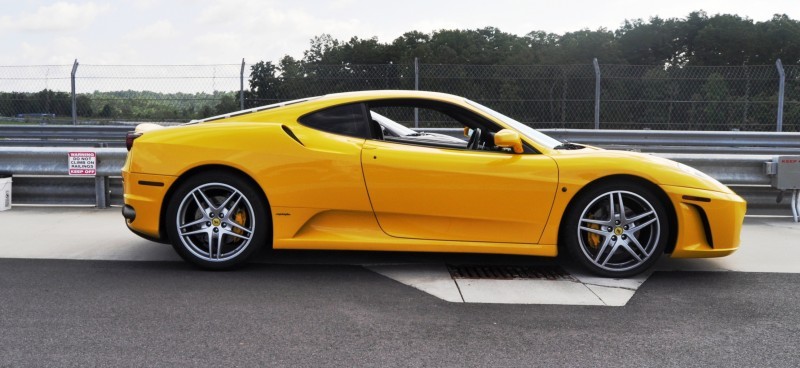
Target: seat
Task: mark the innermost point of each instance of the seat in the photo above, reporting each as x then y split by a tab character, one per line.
376	130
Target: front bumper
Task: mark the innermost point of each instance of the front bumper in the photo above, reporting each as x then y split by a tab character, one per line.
709	222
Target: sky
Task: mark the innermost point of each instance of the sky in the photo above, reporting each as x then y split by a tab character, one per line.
125	32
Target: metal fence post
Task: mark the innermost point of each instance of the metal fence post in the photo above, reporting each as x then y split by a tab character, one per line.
563	97
416	88
596	93
74	100
781	90
241	86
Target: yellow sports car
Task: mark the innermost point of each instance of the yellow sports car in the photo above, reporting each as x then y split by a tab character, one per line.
336	172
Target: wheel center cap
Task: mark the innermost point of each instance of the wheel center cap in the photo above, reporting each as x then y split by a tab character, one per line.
618	231
216	222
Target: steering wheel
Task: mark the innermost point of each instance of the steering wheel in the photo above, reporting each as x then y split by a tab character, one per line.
475	139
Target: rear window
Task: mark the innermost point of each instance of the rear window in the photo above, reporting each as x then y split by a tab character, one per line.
345	120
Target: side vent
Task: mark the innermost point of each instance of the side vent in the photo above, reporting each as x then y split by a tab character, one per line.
706	224
290	133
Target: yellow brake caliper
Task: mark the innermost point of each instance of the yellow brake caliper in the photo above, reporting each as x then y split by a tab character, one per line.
592	238
240	218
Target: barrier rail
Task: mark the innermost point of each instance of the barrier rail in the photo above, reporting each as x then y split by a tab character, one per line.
64	135
672	141
40	176
667	141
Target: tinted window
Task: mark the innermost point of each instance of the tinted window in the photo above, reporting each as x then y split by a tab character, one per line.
345	120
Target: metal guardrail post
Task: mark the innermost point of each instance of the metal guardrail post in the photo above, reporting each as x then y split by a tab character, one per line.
241	86
101	191
781	90
74	98
596	93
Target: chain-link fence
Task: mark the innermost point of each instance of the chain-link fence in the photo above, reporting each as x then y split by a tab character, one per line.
545	96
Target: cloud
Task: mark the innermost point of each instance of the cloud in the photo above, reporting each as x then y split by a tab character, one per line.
340	4
60	16
259	30
156	31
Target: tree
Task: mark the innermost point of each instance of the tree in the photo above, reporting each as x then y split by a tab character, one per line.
264	84
725	40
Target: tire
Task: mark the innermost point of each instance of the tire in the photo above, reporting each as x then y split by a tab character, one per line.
614	243
217	220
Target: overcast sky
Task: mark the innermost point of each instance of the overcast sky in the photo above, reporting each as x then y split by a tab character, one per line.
36	32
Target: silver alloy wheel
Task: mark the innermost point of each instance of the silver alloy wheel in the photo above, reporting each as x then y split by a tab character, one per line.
618	231
215	222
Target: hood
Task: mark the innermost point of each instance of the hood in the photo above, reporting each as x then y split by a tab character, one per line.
593	163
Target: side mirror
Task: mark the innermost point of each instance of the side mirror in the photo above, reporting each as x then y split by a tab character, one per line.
507	138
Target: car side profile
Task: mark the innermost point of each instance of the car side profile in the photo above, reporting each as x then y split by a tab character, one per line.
330	173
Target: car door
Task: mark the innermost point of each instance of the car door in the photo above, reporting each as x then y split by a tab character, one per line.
437	193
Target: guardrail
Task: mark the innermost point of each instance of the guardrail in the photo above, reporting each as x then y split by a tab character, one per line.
671	141
644	140
64	135
40	176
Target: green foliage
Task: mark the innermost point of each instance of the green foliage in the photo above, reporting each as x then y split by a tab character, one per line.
539	77
120	105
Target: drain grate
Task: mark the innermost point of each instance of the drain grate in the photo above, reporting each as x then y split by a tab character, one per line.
495	272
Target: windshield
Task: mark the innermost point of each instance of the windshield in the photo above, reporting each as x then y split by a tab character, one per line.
522	128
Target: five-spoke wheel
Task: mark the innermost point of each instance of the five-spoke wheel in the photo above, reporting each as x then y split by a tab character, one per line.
216	220
617	230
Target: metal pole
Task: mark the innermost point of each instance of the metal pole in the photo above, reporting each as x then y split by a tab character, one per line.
101	191
241	86
416	88
781	90
74	100
596	93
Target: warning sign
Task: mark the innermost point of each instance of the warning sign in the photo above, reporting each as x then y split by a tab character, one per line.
82	163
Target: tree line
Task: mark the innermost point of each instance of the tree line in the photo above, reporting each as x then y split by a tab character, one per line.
536	77
120	105
696	40
656	73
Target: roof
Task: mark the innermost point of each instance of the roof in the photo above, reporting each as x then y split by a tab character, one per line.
371	94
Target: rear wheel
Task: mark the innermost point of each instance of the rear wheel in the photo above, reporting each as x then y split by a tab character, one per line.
217	220
617	230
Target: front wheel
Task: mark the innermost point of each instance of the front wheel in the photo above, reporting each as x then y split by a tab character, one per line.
216	220
617	230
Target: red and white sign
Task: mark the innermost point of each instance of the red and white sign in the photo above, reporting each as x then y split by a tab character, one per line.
82	163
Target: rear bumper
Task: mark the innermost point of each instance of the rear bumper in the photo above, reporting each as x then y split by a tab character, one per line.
143	196
709	222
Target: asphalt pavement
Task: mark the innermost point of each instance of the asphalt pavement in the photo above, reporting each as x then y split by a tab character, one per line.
99	296
112	313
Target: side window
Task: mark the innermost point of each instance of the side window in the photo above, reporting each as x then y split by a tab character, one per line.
345	120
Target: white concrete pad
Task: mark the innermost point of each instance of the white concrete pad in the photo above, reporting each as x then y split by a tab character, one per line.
613	292
631	283
612	296
75	233
527	292
433	279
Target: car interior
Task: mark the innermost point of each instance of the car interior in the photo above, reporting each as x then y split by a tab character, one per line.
433	113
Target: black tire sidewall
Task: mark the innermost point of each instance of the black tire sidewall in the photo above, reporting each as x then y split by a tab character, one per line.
570	233
260	208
